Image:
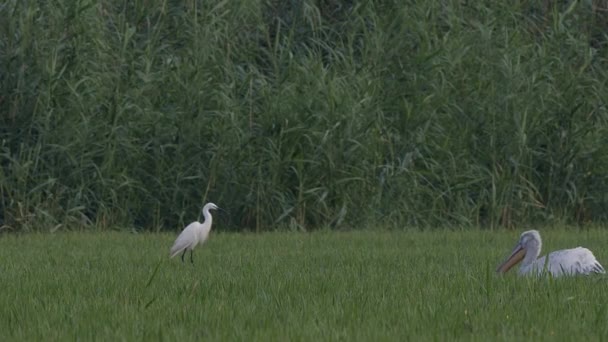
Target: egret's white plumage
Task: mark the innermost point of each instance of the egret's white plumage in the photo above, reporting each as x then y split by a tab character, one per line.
563	262
193	234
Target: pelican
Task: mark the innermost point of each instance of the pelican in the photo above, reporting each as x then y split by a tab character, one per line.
572	261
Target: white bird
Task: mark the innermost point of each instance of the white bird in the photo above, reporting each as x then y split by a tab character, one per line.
563	262
193	234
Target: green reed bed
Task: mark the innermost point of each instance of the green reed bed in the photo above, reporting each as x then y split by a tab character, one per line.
301	114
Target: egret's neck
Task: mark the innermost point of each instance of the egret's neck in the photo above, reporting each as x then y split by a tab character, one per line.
208	218
532	252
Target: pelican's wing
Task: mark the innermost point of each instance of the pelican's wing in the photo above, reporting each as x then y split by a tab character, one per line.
184	240
574	261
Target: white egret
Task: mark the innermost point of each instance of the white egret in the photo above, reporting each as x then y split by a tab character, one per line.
563	262
193	234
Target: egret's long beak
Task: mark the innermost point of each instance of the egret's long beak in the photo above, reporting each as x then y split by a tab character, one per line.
518	253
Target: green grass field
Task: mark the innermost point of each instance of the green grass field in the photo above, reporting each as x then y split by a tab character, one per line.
367	286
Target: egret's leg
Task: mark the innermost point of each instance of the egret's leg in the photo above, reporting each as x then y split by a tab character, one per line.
185	250
191	260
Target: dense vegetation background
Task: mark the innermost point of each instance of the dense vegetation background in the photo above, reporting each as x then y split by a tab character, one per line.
302	114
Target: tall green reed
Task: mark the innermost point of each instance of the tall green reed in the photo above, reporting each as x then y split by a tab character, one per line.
300	114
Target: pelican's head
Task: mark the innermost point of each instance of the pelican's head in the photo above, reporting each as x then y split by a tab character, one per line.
529	241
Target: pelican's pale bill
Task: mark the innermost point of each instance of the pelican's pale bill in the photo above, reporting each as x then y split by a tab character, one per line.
518	253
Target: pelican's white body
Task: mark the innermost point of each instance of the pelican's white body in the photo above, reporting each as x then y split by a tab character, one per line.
572	261
194	233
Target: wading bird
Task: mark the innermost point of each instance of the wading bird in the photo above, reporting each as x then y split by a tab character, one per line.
193	234
563	262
